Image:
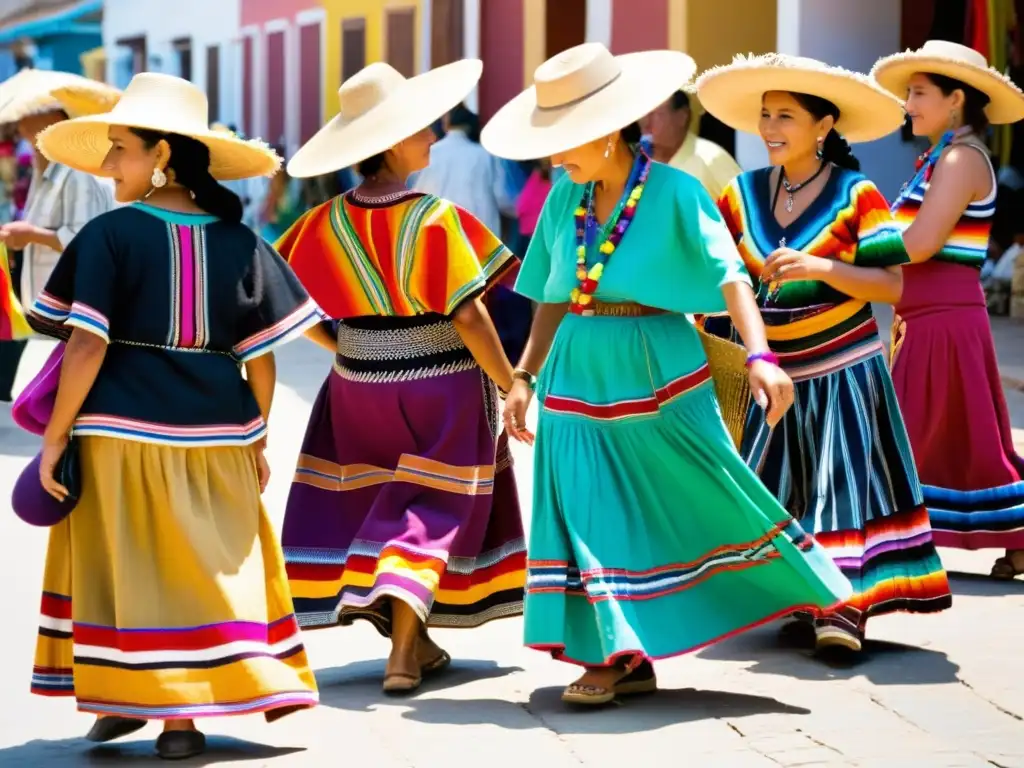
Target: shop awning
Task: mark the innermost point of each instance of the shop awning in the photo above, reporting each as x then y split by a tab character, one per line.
51	17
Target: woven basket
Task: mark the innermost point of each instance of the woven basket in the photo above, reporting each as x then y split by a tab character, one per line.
728	364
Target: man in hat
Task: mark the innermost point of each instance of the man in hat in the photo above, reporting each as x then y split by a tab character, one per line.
676	143
60	202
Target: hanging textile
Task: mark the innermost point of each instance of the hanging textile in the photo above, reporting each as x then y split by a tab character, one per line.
977	27
12	318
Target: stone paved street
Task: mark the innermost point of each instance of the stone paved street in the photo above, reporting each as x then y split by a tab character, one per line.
935	691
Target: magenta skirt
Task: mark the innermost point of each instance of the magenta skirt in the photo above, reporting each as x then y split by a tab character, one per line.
948	385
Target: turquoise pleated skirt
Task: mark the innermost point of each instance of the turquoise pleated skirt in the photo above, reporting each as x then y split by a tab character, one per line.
650	534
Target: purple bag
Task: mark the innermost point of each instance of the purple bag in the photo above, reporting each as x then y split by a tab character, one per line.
32	411
34	406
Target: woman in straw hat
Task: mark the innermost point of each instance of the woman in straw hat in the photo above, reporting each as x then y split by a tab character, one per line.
650	535
404	509
821	244
943	359
165	595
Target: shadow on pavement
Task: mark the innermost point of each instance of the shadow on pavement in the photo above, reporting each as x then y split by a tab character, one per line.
633	715
982	585
881	663
79	752
357	686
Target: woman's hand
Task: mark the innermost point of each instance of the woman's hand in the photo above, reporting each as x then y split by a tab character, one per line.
772	389
785	265
53	449
514	416
262	469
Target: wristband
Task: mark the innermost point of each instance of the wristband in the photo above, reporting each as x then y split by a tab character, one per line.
768	357
525	375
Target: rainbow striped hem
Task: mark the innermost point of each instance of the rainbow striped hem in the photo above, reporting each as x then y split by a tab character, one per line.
284	330
205	436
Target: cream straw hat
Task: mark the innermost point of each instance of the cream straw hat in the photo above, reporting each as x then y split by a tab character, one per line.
733	94
38	91
940	57
582	94
161	103
379	108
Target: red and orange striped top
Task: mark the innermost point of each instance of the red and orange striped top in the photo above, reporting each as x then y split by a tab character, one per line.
398	256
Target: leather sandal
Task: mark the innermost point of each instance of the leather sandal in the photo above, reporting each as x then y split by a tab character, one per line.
113	727
180	745
1004	569
436	665
832	637
637	681
401	683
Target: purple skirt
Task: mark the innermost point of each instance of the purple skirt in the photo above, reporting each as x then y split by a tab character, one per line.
404	488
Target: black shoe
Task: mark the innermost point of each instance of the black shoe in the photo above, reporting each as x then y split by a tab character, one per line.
179	745
110	728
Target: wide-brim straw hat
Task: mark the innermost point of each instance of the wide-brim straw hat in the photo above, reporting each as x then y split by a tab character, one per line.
583	94
162	103
38	91
733	93
379	108
941	57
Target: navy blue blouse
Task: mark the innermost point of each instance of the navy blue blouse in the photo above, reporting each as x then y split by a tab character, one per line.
183	300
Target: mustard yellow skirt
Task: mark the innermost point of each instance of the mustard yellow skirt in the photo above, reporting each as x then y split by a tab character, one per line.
165	595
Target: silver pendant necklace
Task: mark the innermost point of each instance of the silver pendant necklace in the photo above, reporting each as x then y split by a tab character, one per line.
792	189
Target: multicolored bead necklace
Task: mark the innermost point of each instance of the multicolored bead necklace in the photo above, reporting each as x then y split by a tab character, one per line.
926	163
582	297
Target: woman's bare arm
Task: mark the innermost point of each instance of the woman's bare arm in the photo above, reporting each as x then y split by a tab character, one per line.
474	324
961	176
546	320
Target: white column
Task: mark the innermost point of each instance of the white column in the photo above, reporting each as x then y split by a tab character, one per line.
426	34
471	43
599	22
853	36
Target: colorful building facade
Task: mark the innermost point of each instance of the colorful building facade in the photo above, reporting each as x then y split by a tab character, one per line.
199	41
48	34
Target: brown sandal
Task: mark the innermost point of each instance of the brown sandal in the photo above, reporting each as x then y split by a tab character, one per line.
637	681
401	683
1003	569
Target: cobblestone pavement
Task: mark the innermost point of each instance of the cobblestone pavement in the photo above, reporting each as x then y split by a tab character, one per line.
935	691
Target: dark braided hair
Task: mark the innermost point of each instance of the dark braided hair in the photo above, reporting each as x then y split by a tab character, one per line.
835	149
190	162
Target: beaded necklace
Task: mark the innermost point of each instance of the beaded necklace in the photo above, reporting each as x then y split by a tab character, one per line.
611	234
926	163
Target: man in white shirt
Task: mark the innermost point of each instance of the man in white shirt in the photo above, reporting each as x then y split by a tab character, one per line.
463	172
60	202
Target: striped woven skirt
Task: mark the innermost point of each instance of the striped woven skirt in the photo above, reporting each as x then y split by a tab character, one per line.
947	380
650	535
404	488
164	591
840	463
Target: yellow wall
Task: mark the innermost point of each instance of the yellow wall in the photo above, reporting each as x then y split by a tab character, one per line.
751	28
534	37
374	12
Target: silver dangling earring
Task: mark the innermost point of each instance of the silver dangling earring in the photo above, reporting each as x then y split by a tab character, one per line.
820	154
608	149
158	179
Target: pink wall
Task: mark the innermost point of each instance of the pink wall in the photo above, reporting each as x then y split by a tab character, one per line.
639	25
262	11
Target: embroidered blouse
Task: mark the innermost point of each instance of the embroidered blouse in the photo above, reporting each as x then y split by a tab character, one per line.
183	300
849	221
403	255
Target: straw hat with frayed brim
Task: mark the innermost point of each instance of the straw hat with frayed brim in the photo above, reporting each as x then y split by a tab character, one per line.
379	108
161	103
940	57
733	94
583	94
37	91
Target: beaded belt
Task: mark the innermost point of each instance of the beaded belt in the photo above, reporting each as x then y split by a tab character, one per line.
624	309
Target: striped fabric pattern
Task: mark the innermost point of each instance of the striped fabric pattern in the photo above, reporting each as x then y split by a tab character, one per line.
978	519
967	244
415	256
840	462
